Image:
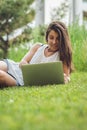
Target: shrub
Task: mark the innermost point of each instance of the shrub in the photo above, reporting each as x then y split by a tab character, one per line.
78	36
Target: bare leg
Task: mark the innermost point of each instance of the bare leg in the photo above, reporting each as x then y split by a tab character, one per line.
3	66
6	79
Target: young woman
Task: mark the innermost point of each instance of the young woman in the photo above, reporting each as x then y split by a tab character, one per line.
58	47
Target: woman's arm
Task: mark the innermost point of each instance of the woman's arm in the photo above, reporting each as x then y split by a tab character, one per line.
66	73
26	59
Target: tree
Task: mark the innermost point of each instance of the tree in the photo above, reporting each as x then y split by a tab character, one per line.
59	13
13	14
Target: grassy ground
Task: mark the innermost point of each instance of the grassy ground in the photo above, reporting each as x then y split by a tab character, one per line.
51	107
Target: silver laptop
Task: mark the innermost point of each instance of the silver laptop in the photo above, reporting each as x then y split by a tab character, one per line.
43	73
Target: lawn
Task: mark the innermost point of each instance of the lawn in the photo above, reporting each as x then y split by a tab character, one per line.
51	107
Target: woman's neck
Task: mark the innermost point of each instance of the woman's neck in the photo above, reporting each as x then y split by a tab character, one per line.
48	51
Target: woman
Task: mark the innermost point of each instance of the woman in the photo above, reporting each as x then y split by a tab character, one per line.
58	47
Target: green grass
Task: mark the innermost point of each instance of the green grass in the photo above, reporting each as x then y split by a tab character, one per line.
78	35
51	107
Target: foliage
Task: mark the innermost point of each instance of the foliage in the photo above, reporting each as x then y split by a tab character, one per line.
59	13
17	52
13	14
51	107
78	36
24	37
38	34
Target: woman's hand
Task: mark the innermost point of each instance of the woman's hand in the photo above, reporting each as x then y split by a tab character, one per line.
22	62
66	78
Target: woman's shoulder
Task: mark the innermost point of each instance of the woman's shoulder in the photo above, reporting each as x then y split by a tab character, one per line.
37	45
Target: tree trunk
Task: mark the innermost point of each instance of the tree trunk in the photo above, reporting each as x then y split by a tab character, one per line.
5	51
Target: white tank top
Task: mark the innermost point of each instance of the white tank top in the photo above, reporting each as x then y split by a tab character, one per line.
39	56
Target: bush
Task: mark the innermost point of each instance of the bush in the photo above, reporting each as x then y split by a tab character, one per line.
78	36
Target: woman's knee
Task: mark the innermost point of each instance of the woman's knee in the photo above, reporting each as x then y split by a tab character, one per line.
2	79
6	79
2	76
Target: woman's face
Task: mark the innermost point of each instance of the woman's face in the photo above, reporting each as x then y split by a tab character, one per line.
53	40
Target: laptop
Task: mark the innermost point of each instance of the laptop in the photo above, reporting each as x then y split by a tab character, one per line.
43	73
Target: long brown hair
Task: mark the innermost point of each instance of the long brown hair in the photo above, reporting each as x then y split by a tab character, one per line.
65	50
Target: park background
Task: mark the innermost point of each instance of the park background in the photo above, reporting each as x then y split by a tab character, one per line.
59	107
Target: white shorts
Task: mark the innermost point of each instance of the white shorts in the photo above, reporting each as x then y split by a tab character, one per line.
15	71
